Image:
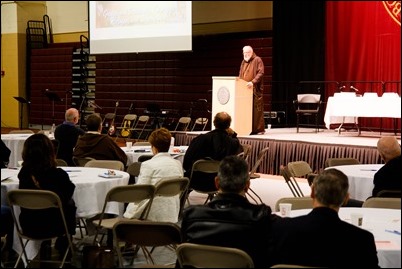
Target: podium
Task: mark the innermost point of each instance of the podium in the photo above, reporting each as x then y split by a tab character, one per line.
230	94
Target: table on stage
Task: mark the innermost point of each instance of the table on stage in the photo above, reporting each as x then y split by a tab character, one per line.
381	223
89	194
136	151
347	107
15	142
360	179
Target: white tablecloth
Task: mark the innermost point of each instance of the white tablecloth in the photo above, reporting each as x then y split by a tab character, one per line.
360	179
136	151
349	107
378	221
89	195
15	142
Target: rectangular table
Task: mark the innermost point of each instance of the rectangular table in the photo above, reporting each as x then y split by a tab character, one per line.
347	108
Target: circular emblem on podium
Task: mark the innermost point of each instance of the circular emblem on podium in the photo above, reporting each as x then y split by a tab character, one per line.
223	95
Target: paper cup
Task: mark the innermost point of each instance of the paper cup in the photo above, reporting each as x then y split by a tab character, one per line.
129	145
356	219
284	209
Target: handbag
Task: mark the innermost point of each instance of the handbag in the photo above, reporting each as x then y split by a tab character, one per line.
98	257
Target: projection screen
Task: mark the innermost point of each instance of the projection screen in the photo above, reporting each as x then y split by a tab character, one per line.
139	26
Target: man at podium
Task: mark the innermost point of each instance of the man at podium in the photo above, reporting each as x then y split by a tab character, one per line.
252	71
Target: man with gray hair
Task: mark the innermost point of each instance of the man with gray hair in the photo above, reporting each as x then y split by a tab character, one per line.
67	134
230	220
388	176
321	238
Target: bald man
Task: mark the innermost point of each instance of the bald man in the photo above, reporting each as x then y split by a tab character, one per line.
67	134
389	176
216	144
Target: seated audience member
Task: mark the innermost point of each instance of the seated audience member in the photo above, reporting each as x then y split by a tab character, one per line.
5	154
388	176
216	144
39	172
161	166
321	238
96	145
230	220
67	134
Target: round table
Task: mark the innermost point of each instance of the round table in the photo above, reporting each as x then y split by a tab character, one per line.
136	151
89	194
90	188
360	179
15	142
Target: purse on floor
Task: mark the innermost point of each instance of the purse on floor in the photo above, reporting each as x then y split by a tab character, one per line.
98	257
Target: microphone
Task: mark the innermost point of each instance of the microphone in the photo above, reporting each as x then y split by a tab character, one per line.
355	89
318	89
131	107
342	87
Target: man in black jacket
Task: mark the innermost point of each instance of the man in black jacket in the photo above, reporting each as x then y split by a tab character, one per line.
67	134
320	238
216	144
230	220
388	176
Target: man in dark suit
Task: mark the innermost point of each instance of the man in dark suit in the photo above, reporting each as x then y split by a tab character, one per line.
388	176
216	144
67	134
321	238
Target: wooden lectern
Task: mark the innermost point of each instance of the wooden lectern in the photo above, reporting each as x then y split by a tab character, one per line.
230	94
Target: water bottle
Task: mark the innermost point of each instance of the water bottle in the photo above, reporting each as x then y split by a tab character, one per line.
171	144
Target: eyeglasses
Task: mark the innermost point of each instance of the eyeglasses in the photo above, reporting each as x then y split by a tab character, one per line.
247	52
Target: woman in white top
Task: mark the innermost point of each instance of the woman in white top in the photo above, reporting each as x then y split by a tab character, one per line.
161	166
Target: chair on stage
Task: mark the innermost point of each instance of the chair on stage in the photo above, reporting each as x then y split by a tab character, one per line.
141	130
125	130
190	255
108	121
38	200
199	124
340	161
307	106
183	124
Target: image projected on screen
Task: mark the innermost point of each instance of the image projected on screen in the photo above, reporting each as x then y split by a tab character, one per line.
139	26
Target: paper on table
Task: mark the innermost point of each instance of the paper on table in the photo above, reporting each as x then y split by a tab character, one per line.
106	175
386	245
7	173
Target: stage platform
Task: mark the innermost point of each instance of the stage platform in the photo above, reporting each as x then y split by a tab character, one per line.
286	145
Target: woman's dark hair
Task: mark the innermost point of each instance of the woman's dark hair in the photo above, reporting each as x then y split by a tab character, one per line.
38	154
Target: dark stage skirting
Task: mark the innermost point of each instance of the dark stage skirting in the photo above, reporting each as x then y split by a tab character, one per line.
285	145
